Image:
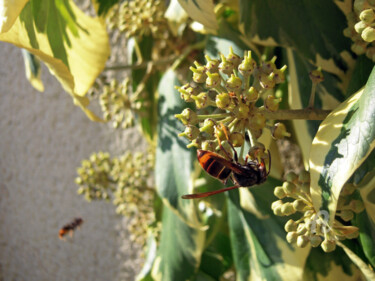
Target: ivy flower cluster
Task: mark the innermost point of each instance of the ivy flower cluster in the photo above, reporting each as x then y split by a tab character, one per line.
226	92
139	17
361	28
125	180
118	105
312	227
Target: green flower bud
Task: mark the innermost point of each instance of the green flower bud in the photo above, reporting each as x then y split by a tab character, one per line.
290	226
346	215
268	66
279	192
328	245
247	66
208	145
267	81
316	76
191	132
237	139
233	58
199	73
360	26
276	204
223	100
315	240
304	177
213	80
299	205
212	66
289	187
278	211
233	83
251	95
278	131
226	66
357	206
188	117
302	241
292	237
241	111
279	75
301	229
257	121
359	48
208	126
367	16
305	187
368	34
287	209
202	100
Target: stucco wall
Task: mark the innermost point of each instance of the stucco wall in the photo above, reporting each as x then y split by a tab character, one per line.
43	138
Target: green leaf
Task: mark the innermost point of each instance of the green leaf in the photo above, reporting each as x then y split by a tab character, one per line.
105	6
310	27
343	142
201	11
75	59
180	249
33	70
145	274
367	235
259	246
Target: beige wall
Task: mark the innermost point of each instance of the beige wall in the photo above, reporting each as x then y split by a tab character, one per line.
43	138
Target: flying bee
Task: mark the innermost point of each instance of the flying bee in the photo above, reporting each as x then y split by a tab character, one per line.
70	227
251	173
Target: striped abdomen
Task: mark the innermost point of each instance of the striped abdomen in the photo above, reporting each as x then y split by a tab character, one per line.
213	164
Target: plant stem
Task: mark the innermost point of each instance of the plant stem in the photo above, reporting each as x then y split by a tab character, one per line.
301	114
187	51
214	116
312	96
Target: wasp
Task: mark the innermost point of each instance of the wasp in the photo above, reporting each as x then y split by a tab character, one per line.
243	175
70	227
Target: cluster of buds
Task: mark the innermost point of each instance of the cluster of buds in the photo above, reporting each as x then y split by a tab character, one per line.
313	227
139	17
230	88
125	180
361	28
118	105
94	179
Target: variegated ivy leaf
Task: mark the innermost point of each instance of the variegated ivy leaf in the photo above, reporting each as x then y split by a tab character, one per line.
74	46
201	11
9	12
33	70
343	142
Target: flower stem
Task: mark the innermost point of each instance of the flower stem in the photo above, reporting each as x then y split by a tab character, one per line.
301	114
213	116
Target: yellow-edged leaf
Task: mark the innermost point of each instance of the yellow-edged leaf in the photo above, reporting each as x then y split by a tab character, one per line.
201	11
9	11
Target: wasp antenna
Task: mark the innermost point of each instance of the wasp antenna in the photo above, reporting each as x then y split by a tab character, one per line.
208	193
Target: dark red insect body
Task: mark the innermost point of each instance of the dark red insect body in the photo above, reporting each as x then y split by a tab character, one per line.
70	227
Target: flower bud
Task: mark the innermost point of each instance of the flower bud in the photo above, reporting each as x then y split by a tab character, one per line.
346	215
237	139
268	66
279	75
292	237
208	145
188	117
202	100
315	240
367	16
271	103
279	192
360	26
304	177
212	66
213	80
302	241
301	229
233	58
357	206
241	111
287	209
258	121
278	131
328	245
305	187
276	204
223	100
292	177
251	95
289	187
225	66
316	76
290	226
208	126
233	83
247	66
267	81
199	73
368	34
299	205
359	48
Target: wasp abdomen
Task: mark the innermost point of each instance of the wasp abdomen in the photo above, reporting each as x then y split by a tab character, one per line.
212	166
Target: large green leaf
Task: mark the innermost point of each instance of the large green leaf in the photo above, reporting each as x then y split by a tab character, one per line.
313	28
73	45
260	250
343	142
180	249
